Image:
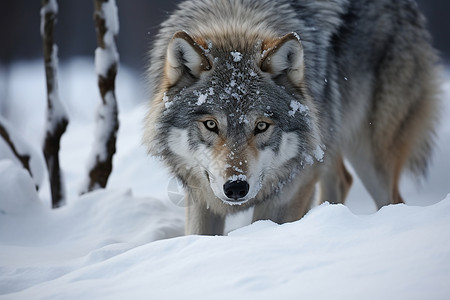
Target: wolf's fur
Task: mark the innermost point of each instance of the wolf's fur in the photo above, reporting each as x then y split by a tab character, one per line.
343	78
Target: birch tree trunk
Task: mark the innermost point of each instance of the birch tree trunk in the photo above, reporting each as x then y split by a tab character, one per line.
106	64
57	119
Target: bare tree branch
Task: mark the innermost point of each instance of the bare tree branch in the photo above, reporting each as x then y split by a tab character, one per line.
23	158
106	61
56	115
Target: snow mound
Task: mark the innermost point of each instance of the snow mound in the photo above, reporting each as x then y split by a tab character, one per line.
38	244
24	148
99	248
17	189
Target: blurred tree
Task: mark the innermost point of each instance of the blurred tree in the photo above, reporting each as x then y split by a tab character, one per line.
23	158
57	119
106	61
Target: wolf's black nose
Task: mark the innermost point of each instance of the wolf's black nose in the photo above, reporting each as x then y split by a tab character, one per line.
236	189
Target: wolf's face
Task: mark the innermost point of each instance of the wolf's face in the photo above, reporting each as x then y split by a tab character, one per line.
236	120
235	158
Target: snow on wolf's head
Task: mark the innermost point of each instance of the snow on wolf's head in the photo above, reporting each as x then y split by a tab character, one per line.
236	122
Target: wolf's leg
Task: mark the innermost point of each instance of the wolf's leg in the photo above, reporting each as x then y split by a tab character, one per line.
379	177
294	210
380	182
201	220
335	182
398	129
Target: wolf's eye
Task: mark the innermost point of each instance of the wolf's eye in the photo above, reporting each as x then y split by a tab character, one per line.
211	125
261	127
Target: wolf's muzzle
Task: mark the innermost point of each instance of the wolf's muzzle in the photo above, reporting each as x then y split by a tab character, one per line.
236	189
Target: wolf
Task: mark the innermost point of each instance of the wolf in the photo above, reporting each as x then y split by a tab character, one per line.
254	102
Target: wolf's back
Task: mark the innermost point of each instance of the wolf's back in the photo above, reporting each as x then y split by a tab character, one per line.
237	24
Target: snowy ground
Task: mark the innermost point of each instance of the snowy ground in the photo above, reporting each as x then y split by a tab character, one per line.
126	241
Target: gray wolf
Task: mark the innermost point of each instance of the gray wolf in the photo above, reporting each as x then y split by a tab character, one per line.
253	102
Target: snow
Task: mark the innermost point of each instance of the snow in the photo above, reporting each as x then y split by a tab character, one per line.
238	177
297	107
36	161
126	241
105	124
105	59
237	56
111	16
297	36
318	153
17	189
167	102
50	7
58	111
108	56
201	98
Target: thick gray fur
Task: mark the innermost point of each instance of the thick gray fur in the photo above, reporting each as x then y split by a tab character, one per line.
369	69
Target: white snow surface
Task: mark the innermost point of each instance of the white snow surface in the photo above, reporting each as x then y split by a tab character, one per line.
126	241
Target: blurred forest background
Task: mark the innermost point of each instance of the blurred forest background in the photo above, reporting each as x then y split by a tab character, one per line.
139	20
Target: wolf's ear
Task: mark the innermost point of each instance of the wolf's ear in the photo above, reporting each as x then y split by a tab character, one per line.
284	56
185	57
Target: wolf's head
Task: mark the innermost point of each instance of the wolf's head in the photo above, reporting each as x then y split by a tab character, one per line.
239	121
